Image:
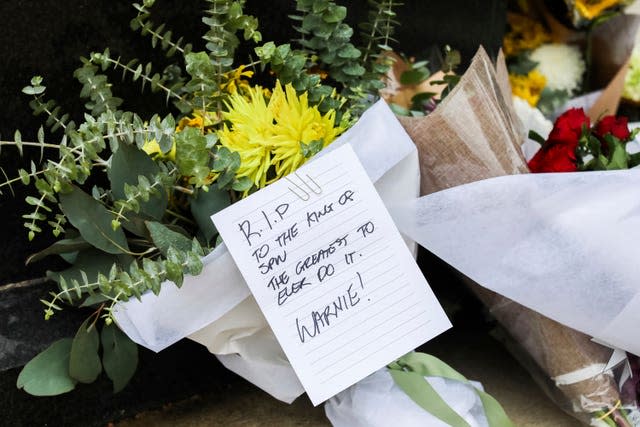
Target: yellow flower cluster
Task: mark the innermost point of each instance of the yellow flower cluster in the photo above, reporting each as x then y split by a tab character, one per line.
528	87
270	132
590	9
235	81
525	34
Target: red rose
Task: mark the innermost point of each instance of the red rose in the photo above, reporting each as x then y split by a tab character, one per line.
558	153
554	158
568	128
616	126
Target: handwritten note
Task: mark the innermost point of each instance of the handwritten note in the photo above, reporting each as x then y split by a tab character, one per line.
331	273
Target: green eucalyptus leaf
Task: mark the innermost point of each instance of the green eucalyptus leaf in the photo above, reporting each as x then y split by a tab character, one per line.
164	238
128	163
119	357
192	155
92	262
84	362
47	374
312	148
94	299
242	184
63	246
207	203
93	221
199	65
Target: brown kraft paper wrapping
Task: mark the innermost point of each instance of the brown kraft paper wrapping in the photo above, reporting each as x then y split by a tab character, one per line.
474	135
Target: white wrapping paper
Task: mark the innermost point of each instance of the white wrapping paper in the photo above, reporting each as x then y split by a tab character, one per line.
377	401
561	244
216	309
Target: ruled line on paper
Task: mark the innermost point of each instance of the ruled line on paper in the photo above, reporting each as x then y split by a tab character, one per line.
307	304
392	328
344	332
398	338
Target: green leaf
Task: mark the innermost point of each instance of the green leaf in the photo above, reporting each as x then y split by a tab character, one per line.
205	204
47	374
334	14
419	99
192	155
266	51
164	238
92	262
63	246
84	362
120	356
311	149
94	299
522	65
242	184
199	65
399	110
414	76
127	164
409	371
535	136
93	221
619	156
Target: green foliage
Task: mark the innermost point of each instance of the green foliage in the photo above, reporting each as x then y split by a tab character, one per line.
93	221
551	100
164	238
142	23
96	88
68	361
192	155
610	154
226	163
165	82
123	192
129	167
119	357
522	64
84	362
47	374
206	203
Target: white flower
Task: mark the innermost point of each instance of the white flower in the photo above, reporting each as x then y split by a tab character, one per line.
561	64
531	119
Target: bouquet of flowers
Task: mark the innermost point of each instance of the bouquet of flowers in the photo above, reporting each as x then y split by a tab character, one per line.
557	51
473	135
131	197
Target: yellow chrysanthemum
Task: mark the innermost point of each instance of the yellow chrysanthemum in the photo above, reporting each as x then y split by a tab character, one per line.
528	87
297	123
250	134
269	133
524	34
590	9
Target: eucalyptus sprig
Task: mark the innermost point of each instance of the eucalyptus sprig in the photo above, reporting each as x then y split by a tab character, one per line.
130	197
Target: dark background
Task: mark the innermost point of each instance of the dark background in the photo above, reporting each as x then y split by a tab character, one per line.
47	38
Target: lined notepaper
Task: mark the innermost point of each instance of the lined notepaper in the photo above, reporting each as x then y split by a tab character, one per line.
331	273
